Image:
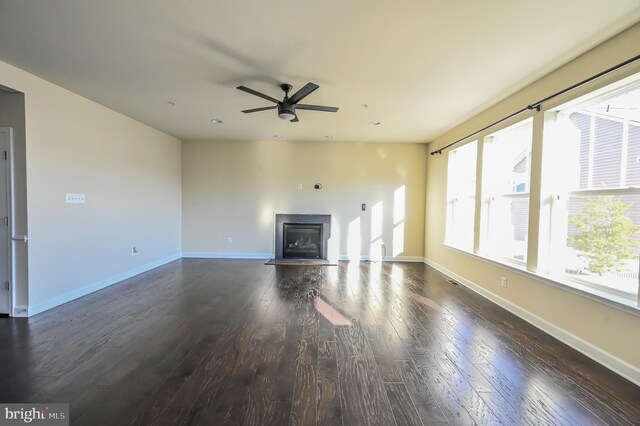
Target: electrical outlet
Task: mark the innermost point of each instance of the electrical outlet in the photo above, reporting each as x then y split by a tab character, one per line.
229	240
134	250
504	282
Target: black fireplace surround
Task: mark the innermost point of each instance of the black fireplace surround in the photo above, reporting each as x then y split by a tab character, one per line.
302	236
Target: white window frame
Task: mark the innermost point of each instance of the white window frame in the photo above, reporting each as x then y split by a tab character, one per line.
542	213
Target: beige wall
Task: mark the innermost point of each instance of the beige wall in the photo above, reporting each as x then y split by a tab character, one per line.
129	172
603	329
233	189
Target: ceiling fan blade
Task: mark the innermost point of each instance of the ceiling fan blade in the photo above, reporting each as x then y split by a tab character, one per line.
302	93
247	111
255	93
295	120
317	108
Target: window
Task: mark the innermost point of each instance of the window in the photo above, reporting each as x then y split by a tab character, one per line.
596	209
461	196
585	168
505	188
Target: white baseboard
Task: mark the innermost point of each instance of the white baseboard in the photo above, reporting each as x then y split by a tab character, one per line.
222	255
20	311
83	291
402	259
608	360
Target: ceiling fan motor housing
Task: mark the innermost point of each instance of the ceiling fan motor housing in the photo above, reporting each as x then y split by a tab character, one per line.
286	110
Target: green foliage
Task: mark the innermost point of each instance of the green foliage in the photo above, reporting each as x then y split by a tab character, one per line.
604	233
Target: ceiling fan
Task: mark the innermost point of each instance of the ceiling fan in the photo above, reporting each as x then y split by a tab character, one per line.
288	106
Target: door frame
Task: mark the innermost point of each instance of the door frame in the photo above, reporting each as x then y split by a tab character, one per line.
7	132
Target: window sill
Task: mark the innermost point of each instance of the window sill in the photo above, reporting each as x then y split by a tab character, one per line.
600	296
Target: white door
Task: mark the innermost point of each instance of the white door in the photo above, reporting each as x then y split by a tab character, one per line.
5	176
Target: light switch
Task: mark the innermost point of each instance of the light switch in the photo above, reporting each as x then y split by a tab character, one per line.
75	199
299	187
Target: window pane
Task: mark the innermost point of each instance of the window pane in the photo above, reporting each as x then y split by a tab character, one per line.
520	223
582	123
509	219
609	140
509	160
607	156
507	165
461	191
602	245
633	157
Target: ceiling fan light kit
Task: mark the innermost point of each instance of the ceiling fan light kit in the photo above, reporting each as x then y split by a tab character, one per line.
287	106
286	112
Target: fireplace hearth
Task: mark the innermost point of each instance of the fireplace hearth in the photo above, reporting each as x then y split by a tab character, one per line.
302	236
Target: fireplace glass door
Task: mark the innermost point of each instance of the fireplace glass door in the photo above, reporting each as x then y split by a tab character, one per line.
302	241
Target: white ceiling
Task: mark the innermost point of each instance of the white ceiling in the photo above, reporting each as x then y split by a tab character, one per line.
421	66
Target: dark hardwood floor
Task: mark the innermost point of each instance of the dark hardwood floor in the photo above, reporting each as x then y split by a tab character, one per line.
236	342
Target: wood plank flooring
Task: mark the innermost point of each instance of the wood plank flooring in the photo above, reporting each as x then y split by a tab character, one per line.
233	342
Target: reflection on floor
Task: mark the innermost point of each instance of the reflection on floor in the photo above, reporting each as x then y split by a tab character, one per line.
330	313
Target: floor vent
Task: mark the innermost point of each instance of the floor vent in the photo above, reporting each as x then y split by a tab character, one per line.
452	282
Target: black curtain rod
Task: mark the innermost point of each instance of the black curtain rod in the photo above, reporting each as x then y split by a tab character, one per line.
537	105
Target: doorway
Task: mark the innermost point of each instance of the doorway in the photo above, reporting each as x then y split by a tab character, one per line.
6	299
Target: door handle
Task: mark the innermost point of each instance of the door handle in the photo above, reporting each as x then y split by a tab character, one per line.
23	239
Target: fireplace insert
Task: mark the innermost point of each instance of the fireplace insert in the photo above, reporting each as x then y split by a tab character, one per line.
302	241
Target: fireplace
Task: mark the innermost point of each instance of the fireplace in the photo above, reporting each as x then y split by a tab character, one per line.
302	236
302	241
